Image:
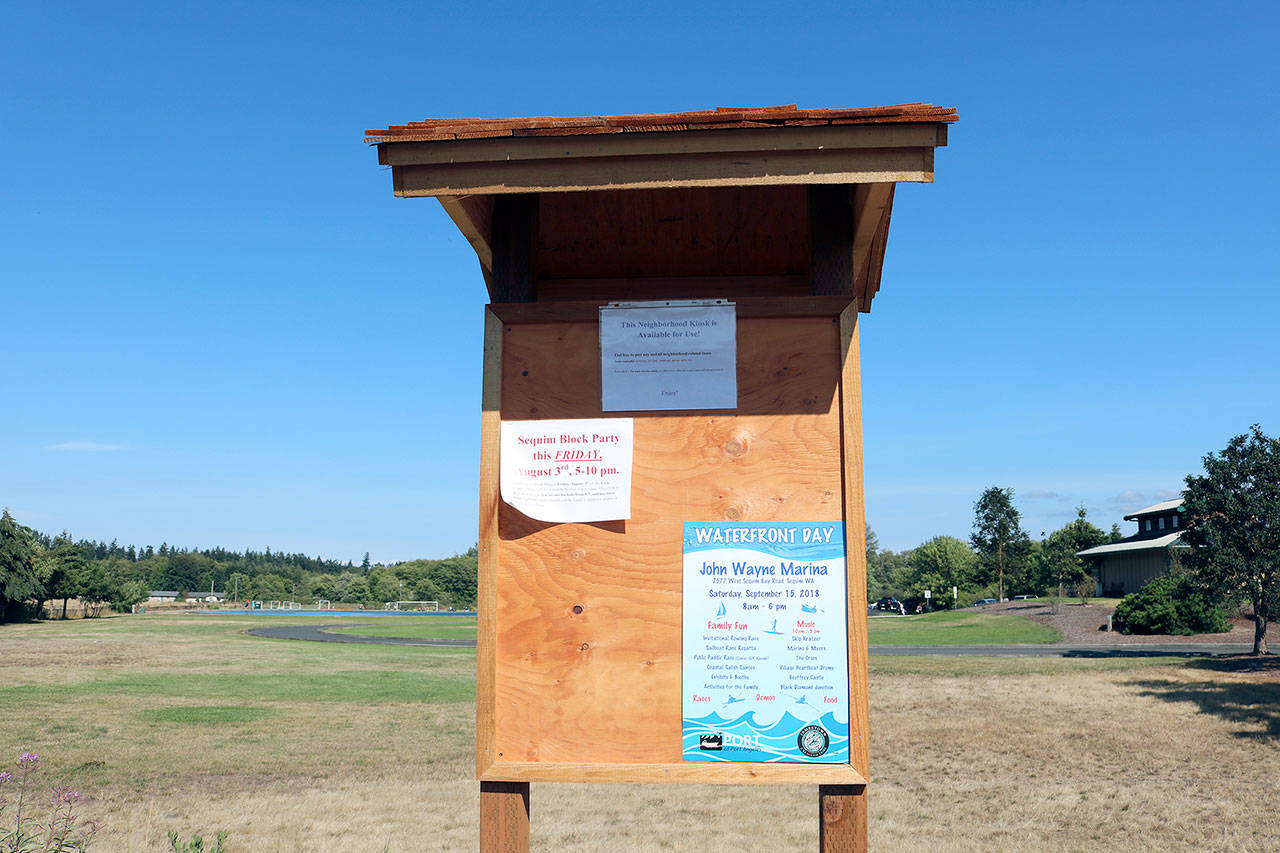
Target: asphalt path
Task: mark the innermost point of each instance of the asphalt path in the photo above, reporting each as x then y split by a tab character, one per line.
318	633
1066	650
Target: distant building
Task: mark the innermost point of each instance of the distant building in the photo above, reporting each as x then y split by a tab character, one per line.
162	595
1123	566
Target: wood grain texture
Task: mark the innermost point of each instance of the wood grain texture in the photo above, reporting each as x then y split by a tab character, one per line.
487	591
688	772
780	288
561	676
842	818
720	118
710	232
870	210
747	308
851	166
668	144
855	533
473	214
848	830
504	817
875	264
515	226
831	225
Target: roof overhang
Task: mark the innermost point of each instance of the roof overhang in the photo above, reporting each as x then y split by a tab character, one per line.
1159	543
1156	509
468	163
830	154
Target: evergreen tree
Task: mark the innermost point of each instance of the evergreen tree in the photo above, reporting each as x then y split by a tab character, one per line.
1059	567
19	580
873	544
66	570
998	537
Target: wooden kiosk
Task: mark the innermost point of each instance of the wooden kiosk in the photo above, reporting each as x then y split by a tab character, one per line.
783	212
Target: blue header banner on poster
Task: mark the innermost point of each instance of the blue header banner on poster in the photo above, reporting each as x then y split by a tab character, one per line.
765	656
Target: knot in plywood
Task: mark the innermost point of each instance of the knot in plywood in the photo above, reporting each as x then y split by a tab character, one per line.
737	447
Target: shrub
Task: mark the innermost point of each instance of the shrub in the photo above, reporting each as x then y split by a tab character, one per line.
1170	605
39	817
197	844
1085	588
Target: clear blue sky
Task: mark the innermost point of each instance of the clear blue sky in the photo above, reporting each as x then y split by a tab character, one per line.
217	326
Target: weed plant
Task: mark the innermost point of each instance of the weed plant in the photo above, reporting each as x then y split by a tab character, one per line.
31	822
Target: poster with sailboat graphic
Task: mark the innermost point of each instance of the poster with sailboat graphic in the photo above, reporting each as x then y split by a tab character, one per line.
765	655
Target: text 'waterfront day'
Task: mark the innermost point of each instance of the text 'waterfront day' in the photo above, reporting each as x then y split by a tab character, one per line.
762	535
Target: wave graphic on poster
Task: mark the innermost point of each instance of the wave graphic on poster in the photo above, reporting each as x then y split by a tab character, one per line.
777	743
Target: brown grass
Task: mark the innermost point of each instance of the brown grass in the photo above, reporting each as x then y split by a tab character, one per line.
968	754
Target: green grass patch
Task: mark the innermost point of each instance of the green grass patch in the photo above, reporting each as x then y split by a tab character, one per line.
431	628
958	628
928	666
205	714
280	685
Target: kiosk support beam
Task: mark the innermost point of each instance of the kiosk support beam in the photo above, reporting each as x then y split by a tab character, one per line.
504	817
843	808
842	815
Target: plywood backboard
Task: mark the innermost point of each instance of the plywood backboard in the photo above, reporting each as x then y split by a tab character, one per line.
580	634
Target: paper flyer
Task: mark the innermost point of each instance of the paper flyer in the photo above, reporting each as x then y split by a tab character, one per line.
668	357
765	658
568	470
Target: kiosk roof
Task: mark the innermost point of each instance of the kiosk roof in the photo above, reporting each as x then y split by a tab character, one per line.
764	201
721	118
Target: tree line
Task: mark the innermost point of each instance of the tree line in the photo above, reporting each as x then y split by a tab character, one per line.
1231	556
36	568
1000	559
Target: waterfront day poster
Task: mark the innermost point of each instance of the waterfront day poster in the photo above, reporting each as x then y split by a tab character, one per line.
765	659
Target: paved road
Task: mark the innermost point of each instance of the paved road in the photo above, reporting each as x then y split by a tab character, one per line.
318	633
1065	650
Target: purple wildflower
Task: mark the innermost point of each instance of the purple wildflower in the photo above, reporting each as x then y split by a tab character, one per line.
28	760
5	776
65	794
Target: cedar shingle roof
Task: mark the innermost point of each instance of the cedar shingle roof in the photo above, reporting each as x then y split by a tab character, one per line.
721	118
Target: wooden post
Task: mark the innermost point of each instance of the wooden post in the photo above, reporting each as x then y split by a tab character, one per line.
504	817
842	816
844	807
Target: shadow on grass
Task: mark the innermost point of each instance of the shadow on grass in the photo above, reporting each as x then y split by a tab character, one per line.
1130	653
1253	705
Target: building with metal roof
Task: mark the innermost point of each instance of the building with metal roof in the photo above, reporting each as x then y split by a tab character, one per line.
1123	566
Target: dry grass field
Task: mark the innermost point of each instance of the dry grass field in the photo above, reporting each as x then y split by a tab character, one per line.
184	723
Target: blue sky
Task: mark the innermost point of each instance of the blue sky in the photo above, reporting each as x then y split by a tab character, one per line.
217	326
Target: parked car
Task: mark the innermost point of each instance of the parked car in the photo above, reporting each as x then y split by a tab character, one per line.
982	601
1024	597
889	603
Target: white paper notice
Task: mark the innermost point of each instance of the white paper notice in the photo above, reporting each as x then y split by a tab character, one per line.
568	470
669	357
